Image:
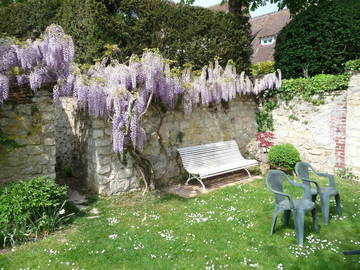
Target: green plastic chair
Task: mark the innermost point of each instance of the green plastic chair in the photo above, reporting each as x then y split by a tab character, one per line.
284	202
302	171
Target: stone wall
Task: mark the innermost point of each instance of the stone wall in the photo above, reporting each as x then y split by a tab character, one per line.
233	121
29	120
312	129
352	148
85	146
328	135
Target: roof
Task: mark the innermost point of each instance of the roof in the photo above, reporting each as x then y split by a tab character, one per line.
261	26
220	7
267	25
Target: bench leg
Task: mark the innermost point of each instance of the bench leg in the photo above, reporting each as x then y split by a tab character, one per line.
197	178
248	172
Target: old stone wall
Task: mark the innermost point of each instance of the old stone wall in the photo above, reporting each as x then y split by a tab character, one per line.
233	121
313	129
328	135
29	120
85	147
352	148
80	146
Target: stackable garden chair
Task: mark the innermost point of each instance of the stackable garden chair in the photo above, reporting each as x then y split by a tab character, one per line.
284	202
302	170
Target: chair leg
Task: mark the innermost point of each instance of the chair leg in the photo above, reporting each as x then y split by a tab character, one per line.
276	213
299	225
325	208
338	205
315	220
287	217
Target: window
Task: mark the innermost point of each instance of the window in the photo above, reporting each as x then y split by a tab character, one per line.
267	40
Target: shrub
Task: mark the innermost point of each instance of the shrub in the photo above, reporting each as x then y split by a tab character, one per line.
30	207
320	39
312	89
134	25
284	156
28	19
200	37
262	68
353	65
89	24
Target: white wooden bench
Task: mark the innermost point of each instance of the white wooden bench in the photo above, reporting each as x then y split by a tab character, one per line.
207	160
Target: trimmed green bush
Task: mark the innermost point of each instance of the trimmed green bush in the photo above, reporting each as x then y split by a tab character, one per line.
284	156
30	207
320	39
353	65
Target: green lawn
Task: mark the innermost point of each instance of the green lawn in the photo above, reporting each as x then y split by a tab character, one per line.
225	229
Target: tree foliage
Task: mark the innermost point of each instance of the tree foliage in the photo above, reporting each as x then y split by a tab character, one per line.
237	6
133	25
320	40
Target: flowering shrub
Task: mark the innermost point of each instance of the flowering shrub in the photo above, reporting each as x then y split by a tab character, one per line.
121	92
28	208
264	139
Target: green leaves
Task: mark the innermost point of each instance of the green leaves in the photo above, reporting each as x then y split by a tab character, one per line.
319	40
284	156
24	202
352	65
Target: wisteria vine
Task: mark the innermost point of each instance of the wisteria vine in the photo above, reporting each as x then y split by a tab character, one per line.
118	91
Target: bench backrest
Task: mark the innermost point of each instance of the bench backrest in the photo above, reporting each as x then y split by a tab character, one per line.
210	155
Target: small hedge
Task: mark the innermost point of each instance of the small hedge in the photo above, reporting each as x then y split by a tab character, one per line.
312	89
352	65
320	39
284	156
28	208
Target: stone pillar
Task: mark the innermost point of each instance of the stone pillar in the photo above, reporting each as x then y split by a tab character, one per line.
107	173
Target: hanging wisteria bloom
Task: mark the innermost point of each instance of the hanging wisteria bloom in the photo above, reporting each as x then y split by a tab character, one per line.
121	92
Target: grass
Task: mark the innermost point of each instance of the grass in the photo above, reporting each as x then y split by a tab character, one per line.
226	229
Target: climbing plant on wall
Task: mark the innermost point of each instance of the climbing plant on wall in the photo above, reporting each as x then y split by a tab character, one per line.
121	92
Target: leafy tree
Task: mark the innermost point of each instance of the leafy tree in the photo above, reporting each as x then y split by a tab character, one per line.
320	39
295	6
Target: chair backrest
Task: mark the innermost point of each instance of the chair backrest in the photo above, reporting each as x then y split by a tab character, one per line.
302	171
211	154
274	181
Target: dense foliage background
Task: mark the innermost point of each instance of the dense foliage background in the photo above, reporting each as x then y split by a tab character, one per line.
320	39
183	33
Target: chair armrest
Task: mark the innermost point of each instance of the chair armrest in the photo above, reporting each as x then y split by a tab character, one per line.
281	194
327	175
307	191
314	182
286	195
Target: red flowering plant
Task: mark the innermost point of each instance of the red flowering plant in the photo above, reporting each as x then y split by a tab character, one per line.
264	139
